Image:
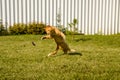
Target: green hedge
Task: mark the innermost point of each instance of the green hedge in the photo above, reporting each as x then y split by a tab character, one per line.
31	28
19	28
35	28
3	31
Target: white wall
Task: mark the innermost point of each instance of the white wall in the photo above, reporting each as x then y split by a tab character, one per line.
94	16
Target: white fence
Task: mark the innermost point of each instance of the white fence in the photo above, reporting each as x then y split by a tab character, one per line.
94	16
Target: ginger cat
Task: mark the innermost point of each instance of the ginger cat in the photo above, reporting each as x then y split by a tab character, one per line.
58	37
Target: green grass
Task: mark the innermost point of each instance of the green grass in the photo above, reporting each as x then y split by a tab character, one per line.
20	60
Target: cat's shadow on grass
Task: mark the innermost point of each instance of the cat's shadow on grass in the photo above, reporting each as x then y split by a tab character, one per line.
75	53
71	54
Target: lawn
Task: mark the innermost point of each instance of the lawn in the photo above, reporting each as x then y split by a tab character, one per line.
98	58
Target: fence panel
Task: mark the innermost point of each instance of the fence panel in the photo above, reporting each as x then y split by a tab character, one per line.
94	16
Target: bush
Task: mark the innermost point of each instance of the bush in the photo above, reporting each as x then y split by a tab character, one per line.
31	28
36	28
3	31
19	28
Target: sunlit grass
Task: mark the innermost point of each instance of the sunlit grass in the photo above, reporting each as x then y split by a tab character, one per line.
100	59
